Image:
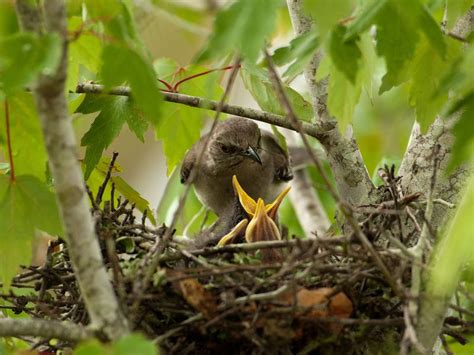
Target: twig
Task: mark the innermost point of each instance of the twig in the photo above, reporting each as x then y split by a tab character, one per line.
247	247
100	192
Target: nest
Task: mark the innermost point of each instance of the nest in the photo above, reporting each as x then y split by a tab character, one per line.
326	295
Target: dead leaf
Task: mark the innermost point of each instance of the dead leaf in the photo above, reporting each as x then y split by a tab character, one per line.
317	304
197	296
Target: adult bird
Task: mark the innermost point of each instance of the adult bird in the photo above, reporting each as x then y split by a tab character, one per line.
237	147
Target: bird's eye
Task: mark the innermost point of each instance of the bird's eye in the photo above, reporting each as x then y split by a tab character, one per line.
229	149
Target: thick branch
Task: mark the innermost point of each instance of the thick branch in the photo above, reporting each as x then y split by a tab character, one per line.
43	328
416	175
416	170
344	157
194	101
58	132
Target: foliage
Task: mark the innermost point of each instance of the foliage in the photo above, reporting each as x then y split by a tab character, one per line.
25	204
131	344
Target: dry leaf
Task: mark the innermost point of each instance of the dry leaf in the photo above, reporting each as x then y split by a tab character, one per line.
197	296
318	304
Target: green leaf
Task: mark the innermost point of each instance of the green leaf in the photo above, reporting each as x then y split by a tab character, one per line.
8	20
343	97
23	56
96	180
84	51
298	53
25	204
29	153
280	138
134	344
192	207
243	26
344	54
114	112
428	68
460	78
91	347
463	149
180	126
130	344
133	196
121	64
327	14
365	19
399	26
256	81
396	42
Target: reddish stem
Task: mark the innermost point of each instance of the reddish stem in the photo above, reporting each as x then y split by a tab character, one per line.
168	86
9	141
175	87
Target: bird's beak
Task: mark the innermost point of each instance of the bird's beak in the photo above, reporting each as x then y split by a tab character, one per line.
252	154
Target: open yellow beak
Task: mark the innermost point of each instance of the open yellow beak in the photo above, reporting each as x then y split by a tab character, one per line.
249	204
234	233
262	225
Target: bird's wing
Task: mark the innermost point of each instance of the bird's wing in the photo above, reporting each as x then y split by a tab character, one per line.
281	160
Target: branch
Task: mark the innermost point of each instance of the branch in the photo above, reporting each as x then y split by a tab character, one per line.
43	328
433	307
304	244
344	157
194	101
84	250
416	169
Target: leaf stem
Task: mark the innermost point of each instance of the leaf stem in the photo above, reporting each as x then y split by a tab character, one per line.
175	87
9	141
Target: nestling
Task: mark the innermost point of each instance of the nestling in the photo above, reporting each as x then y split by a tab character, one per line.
237	147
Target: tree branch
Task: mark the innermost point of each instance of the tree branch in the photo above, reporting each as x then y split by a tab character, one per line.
417	173
49	92
344	157
195	101
43	328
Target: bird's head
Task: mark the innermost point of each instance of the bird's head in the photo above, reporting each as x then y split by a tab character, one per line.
235	140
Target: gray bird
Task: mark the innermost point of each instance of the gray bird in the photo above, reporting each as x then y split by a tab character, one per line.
237	147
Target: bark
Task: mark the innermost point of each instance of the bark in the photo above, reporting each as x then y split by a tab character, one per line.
43	328
351	175
417	175
416	170
83	245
